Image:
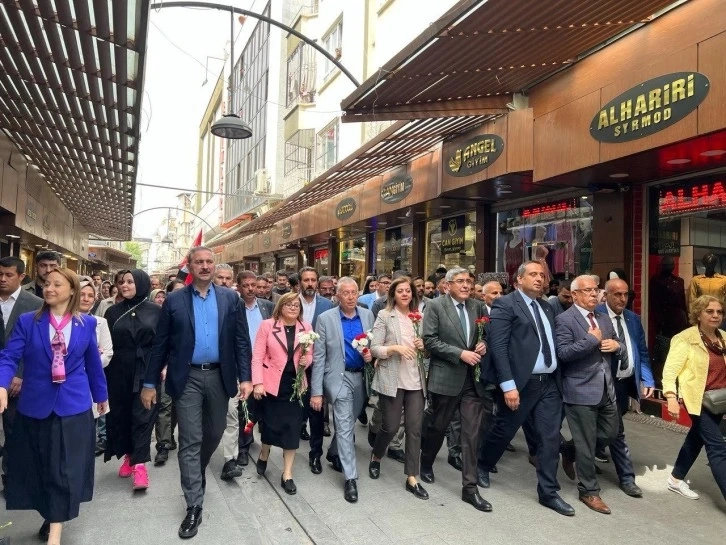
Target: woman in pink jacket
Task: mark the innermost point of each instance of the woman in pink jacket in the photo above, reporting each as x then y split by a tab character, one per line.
276	357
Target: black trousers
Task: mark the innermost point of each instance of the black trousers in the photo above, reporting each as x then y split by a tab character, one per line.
591	425
8	424
437	418
317	422
540	402
624	390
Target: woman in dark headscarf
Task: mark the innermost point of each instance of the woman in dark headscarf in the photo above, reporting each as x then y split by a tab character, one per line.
128	427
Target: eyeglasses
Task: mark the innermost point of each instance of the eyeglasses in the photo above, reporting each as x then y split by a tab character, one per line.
588	291
462	281
292	305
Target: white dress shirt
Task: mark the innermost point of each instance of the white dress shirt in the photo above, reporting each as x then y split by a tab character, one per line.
9	304
308	309
628	372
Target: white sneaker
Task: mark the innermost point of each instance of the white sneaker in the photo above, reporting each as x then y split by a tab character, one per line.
682	488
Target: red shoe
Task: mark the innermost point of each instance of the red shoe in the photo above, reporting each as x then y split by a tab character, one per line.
141	477
125	470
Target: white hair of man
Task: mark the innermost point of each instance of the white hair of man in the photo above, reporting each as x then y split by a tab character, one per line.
453	272
580	280
491	284
223	267
345	280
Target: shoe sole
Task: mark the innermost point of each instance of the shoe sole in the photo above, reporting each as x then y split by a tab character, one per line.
188	536
141	487
677	491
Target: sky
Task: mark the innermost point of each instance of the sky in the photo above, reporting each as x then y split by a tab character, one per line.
178	43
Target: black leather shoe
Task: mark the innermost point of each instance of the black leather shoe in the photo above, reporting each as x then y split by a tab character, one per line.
100	447
558	505
304	435
477	501
396	454
334	460
374	469
191	522
494	470
44	531
351	491
427	474
510	448
161	457
172	445
230	470
363	417
601	457
243	458
315	466
261	466
632	490
371	438
288	486
417	490
455	462
482	478
326	430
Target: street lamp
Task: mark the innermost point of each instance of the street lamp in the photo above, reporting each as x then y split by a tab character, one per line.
231	126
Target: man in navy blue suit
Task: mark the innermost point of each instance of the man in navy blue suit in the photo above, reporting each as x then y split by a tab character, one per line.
629	371
202	338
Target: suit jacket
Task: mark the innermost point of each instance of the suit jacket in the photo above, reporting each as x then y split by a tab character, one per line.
641	358
174	341
329	353
40	397
514	341
26	302
29	288
321	305
269	356
266	308
584	367
556	305
444	339
387	332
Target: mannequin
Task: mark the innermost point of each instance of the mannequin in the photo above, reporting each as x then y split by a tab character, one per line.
709	283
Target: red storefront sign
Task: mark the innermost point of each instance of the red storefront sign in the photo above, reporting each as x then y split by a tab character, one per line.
699	197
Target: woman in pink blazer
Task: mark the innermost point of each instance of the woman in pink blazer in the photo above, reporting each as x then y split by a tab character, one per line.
276	357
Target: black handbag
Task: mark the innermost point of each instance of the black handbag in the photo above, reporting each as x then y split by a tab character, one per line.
714	401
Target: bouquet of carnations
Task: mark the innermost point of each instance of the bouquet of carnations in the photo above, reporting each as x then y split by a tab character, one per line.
362	343
481	325
416	317
305	339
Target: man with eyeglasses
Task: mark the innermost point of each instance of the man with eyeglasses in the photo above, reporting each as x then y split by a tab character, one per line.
451	336
326	288
384	282
587	349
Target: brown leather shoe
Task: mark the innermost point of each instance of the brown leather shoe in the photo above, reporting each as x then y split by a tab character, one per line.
568	466
596	504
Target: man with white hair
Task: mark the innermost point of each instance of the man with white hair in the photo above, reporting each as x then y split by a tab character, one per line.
491	291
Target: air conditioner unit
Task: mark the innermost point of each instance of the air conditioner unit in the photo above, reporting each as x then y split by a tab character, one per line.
262	181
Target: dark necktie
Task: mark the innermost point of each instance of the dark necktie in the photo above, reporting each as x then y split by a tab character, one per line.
591	317
462	319
2	331
624	358
546	349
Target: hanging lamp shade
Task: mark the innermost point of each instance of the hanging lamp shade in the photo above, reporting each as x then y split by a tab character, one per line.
232	127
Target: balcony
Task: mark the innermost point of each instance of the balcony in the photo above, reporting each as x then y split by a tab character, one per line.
294	9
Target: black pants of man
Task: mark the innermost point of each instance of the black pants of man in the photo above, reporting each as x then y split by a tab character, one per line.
624	390
8	422
591	425
540	401
317	422
437	418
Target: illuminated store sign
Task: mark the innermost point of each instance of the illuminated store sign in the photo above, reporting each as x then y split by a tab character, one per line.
473	155
697	198
345	209
559	206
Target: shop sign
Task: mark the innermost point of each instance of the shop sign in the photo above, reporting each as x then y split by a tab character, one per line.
665	238
396	189
452	235
286	230
345	209
650	107
320	254
549	208
30	216
473	155
697	198
266	242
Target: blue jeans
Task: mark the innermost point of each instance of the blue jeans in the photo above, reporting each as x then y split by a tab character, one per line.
704	432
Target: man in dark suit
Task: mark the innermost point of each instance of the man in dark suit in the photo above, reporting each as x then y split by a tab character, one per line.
630	371
525	367
451	337
203	340
14	301
586	344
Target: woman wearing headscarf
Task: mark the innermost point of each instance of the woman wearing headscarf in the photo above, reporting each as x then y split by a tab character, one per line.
128	427
157	296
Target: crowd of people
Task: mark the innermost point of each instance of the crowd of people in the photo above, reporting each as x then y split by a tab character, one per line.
92	365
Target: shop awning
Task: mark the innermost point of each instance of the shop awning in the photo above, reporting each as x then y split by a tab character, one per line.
71	84
396	145
481	52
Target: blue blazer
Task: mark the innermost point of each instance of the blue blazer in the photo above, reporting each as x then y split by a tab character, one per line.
641	358
174	341
321	305
30	341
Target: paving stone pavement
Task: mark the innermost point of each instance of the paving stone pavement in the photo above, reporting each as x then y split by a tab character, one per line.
254	510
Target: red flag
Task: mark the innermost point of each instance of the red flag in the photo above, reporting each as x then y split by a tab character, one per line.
183	270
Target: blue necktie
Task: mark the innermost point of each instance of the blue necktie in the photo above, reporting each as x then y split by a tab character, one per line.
546	349
462	319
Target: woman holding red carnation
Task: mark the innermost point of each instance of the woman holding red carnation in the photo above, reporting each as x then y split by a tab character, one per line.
399	379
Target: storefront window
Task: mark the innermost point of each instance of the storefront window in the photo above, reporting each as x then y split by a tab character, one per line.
288	263
268	266
353	259
687	257
451	242
393	249
321	261
558	234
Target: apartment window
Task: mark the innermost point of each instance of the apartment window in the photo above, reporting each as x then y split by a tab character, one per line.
333	44
327	146
298	160
301	76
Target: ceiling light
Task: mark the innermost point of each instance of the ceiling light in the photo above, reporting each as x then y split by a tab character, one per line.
444	206
12	236
584	197
620	175
382	223
420	213
678	161
713	152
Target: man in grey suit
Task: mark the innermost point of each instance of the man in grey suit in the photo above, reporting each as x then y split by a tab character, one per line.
451	337
586	343
338	370
14	301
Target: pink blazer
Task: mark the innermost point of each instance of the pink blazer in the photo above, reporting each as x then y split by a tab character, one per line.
269	354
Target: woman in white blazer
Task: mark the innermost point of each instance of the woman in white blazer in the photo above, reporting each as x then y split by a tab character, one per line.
103	334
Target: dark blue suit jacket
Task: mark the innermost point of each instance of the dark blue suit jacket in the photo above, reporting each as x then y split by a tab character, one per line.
174	342
321	305
641	358
30	341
